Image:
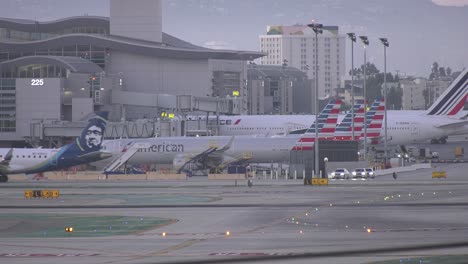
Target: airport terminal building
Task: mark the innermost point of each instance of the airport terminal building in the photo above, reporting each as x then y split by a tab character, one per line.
65	69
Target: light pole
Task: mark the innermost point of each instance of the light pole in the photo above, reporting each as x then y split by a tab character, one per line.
352	36
317	28
365	41
385	45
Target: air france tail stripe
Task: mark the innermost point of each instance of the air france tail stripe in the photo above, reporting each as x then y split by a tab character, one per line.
455	102
452	101
459	106
450	94
444	100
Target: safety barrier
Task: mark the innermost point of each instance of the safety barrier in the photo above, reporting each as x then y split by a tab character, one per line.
236	176
403	169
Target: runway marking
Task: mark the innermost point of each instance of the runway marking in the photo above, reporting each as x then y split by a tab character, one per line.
251	254
267	225
46	255
176	247
163	252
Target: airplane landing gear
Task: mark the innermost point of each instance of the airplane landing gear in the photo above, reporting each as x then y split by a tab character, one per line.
3	178
441	140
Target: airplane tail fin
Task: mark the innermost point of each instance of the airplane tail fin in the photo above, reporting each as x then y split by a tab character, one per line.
374	119
6	160
344	131
325	123
453	98
92	135
87	146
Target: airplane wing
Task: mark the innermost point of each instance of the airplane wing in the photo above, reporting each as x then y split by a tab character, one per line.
210	153
96	155
225	147
455	124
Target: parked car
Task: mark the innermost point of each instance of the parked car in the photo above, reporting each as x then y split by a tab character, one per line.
360	173
340	173
370	173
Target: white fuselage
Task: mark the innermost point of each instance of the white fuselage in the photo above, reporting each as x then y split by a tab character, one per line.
27	159
258	149
404	127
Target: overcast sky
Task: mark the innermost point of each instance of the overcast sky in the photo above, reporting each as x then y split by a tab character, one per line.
419	31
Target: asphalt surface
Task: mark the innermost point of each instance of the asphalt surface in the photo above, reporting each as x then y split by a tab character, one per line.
274	219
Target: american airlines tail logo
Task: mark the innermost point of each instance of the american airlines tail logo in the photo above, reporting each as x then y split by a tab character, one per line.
325	123
374	119
453	99
344	131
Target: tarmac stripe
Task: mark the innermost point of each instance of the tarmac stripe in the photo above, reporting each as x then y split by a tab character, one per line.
182	245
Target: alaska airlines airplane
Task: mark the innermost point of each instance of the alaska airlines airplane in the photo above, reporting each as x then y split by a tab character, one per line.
86	148
215	153
404	126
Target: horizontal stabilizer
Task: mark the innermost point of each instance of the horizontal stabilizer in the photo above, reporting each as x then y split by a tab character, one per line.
225	147
96	155
454	125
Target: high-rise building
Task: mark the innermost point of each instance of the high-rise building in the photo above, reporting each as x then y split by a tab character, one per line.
278	90
295	46
420	93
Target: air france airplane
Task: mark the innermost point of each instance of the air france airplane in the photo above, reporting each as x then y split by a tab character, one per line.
404	127
215	153
86	148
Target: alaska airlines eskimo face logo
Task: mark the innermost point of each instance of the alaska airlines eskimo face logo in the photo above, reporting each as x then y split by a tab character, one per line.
91	137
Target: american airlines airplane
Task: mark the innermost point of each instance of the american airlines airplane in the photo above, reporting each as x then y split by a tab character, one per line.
215	153
86	148
192	154
404	126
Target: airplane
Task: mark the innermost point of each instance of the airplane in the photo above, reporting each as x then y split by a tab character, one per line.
404	126
214	153
86	148
374	122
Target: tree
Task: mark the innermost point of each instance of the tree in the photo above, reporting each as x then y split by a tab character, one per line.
442	72
374	85
434	71
435	67
448	71
394	98
357	72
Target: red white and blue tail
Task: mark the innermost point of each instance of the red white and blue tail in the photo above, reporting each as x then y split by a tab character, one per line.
375	118
344	131
453	98
325	123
